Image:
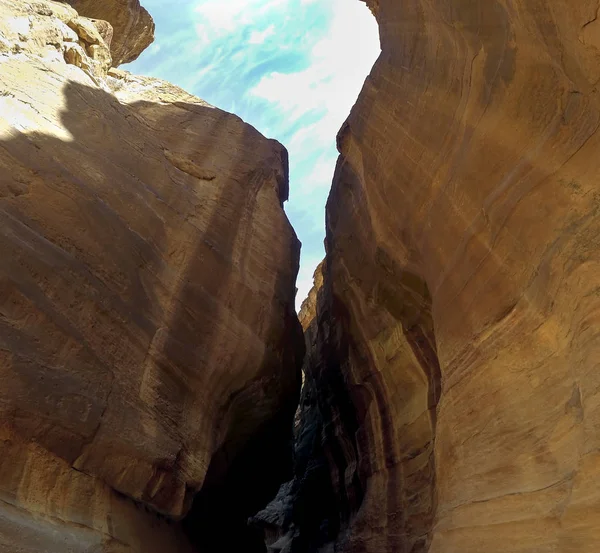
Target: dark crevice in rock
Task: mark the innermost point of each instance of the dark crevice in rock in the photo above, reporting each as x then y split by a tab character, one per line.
248	469
218	518
345	410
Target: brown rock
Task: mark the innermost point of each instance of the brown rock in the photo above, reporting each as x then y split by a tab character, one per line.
308	309
458	347
47	506
132	26
148	338
54	32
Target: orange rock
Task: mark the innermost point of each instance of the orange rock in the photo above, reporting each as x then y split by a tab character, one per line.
147	282
461	307
132	25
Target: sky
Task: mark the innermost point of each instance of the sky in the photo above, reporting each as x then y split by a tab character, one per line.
291	68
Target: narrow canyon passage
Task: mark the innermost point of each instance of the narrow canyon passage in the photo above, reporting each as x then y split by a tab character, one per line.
151	356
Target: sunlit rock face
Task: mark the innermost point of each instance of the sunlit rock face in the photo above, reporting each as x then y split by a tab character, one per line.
456	362
132	25
148	338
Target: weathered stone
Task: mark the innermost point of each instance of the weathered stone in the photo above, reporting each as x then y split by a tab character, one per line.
132	25
46	506
458	345
148	338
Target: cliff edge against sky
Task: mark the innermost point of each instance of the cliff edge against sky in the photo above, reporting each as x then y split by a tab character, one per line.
148	337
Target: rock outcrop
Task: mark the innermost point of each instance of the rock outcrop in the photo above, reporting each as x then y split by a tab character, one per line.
132	25
456	358
148	339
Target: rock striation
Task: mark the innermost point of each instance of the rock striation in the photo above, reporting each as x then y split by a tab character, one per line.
148	339
457	324
148	343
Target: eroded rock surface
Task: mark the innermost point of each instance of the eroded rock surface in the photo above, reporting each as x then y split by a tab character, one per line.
132	25
456	361
148	337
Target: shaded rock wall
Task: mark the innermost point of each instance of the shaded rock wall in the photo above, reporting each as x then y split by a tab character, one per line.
148	337
457	351
309	511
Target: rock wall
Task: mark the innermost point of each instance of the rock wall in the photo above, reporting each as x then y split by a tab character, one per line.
456	362
148	338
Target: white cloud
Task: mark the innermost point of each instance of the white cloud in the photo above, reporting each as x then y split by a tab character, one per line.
258	37
318	178
154	48
339	63
291	68
224	16
219	18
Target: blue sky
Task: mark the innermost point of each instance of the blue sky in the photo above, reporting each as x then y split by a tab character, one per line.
291	68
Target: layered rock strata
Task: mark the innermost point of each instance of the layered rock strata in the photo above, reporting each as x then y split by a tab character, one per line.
148	338
457	343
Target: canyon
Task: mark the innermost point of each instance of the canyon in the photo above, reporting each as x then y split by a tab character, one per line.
150	354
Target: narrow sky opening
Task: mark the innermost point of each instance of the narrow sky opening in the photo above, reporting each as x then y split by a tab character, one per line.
291	68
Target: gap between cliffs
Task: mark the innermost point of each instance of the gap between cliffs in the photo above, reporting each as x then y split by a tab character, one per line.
361	450
357	456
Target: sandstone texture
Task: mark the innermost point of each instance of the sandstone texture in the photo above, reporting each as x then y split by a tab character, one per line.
457	342
148	339
132	26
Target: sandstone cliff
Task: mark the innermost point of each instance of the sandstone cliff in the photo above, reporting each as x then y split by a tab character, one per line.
132	26
148	340
456	358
